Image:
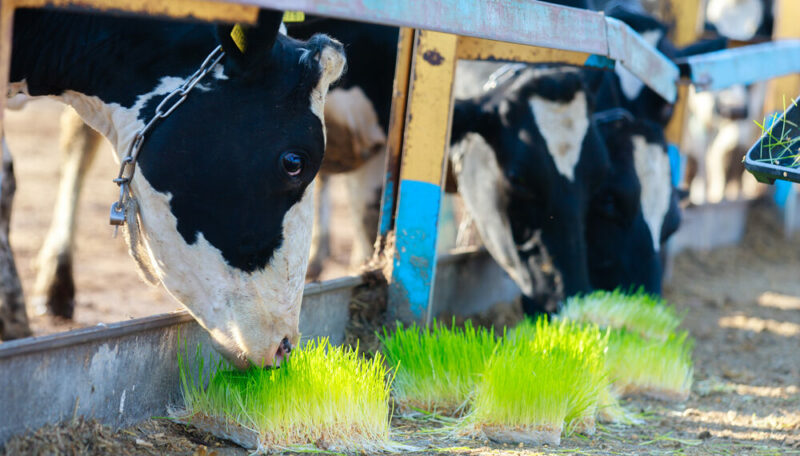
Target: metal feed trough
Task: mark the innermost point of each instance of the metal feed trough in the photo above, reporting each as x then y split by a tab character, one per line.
125	372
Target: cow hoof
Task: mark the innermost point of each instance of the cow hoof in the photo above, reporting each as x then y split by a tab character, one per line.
61	293
55	287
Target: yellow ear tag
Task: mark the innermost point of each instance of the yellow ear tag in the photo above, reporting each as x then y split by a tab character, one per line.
294	16
239	38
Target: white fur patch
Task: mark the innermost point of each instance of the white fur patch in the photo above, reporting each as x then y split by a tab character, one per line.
653	170
332	63
736	19
563	126
630	84
485	193
219	72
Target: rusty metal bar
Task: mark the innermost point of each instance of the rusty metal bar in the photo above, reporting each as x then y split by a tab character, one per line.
203	10
686	17
394	140
470	48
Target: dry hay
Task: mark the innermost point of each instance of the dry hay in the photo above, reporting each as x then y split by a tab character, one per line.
83	437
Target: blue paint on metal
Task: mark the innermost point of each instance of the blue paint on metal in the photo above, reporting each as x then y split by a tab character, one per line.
416	228
386	209
599	61
782	189
744	65
677	162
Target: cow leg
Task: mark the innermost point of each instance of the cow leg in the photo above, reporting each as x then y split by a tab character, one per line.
320	235
54	289
364	196
13	317
716	159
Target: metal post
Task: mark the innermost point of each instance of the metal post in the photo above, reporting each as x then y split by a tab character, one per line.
394	141
686	16
427	137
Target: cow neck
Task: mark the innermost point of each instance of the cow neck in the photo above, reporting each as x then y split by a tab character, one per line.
112	58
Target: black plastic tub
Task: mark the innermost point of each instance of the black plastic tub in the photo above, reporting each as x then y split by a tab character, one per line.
767	162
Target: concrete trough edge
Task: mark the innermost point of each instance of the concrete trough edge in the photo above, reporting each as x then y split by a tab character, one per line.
710	226
123	373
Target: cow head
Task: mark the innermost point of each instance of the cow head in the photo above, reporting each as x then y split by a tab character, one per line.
224	188
527	158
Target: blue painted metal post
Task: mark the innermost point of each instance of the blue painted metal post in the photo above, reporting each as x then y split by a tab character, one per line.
427	134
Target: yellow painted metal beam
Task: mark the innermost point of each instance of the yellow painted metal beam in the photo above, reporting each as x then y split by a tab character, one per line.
786	88
687	19
428	117
470	48
204	10
427	137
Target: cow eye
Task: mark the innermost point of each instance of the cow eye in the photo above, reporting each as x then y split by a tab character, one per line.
292	163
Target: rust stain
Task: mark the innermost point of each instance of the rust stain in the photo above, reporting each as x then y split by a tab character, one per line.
433	57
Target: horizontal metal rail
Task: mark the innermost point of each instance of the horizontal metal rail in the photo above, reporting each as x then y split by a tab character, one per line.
742	65
527	22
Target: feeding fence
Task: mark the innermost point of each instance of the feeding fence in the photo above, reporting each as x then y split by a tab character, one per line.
125	372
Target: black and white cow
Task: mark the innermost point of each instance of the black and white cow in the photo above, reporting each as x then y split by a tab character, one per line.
527	158
223	205
530	161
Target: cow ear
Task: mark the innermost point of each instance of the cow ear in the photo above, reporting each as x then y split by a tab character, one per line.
246	46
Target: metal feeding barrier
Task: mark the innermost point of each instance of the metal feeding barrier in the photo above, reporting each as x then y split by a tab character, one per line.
125	372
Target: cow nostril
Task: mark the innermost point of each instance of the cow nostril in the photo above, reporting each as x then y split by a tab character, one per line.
286	345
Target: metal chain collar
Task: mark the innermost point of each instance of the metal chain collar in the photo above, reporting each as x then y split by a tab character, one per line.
168	104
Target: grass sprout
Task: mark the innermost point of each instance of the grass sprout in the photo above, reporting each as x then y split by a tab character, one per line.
543	381
660	369
642	313
323	395
436	367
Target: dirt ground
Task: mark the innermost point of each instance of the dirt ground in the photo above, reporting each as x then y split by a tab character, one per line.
742	306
